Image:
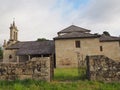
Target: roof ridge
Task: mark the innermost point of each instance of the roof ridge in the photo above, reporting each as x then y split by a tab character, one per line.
105	38
73	28
77	35
33	41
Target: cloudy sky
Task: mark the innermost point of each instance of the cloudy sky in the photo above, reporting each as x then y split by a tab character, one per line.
44	18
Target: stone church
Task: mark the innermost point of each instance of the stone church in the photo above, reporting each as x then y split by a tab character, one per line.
17	51
71	44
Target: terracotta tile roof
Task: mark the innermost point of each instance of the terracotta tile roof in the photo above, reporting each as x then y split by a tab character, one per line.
73	28
34	47
73	35
105	38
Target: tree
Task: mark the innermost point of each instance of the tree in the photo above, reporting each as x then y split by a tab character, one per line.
106	33
1	53
42	39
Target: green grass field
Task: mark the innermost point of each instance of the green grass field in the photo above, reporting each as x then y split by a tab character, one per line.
65	79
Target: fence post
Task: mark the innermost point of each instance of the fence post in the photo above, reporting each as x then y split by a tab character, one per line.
88	67
78	59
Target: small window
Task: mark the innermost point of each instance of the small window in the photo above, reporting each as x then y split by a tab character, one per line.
101	48
77	44
10	56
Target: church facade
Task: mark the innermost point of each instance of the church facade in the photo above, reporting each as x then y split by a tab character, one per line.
71	44
17	51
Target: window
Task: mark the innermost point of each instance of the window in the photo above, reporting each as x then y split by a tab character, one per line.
101	48
10	56
77	44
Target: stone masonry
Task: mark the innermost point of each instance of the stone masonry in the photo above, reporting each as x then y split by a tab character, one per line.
102	68
37	68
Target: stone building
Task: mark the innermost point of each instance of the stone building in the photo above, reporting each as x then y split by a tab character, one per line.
74	43
17	51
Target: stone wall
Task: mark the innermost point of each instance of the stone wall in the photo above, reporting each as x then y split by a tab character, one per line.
102	68
1	60
7	53
111	50
37	68
67	53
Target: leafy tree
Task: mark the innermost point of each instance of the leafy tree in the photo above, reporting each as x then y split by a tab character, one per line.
106	33
1	53
42	39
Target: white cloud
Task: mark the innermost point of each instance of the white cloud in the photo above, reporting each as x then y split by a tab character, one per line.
44	18
100	15
34	18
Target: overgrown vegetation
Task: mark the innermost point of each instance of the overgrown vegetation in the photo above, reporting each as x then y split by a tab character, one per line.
42	39
65	79
106	33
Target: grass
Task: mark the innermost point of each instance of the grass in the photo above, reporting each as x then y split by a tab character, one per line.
69	74
65	79
65	74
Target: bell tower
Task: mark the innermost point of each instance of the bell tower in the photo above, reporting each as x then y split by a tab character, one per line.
13	35
13	32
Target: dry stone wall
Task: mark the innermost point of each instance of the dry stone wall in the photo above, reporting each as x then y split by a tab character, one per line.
102	68
37	68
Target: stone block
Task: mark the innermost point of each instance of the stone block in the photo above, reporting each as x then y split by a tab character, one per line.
102	68
38	68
